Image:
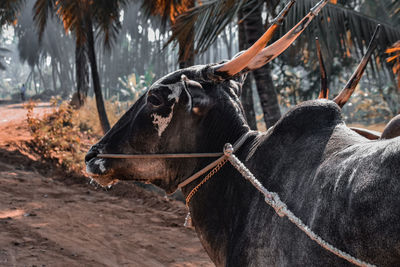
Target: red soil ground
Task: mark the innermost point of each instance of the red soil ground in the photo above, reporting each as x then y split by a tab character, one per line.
48	218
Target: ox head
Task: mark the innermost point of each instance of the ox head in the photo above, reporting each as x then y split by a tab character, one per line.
179	113
196	109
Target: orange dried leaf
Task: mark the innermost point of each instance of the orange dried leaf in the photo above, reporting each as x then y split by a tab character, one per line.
390	59
392	49
396	68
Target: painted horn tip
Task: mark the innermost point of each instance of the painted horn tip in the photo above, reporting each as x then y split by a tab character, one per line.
281	16
317	8
241	62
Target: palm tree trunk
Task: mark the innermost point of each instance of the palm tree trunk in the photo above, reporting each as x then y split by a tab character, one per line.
82	73
269	100
42	78
186	46
186	52
34	80
53	74
105	125
247	91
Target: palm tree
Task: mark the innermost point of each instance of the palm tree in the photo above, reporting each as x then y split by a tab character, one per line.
168	11
247	90
8	16
9	11
78	17
333	28
82	17
254	29
35	53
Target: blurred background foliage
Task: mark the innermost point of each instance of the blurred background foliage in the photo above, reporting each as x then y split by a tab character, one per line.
137	42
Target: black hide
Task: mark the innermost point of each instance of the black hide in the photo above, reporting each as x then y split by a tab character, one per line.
345	187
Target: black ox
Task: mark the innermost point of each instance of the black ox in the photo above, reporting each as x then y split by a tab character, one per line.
345	187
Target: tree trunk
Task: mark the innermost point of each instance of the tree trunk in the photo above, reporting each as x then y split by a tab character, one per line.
42	78
247	91
105	125
53	74
186	52
34	80
60	77
82	73
254	28
186	46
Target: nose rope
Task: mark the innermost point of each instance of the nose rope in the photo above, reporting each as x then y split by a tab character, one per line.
190	179
160	156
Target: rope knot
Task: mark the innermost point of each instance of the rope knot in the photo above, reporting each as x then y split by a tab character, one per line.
228	150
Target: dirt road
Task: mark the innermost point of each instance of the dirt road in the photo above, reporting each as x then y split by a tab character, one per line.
13	121
50	219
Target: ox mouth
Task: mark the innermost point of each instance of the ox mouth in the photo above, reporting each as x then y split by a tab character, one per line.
96	168
99	170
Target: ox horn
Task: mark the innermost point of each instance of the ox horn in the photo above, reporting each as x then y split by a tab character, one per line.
237	64
277	48
349	88
324	92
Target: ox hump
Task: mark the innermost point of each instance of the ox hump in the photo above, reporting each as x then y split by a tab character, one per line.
310	116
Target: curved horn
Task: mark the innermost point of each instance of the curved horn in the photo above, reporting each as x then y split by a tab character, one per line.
237	64
277	48
346	92
324	92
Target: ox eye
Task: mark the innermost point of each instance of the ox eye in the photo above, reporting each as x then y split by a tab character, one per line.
154	100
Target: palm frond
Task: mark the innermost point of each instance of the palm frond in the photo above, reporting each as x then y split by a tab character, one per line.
42	10
106	17
394	59
344	33
73	13
341	29
9	10
393	7
208	19
28	42
165	10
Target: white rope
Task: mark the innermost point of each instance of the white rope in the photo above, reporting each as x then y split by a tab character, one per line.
281	209
196	175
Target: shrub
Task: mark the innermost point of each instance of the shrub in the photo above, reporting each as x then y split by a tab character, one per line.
57	137
66	134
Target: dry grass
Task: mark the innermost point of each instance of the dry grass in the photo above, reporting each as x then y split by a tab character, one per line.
87	117
65	135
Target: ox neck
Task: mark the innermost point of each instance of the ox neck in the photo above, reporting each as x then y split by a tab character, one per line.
198	174
209	208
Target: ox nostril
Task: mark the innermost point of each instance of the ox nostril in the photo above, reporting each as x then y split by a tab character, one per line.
90	155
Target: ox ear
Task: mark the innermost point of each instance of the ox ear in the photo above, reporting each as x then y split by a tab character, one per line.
198	101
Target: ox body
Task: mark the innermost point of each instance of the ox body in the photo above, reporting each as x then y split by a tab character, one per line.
342	185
